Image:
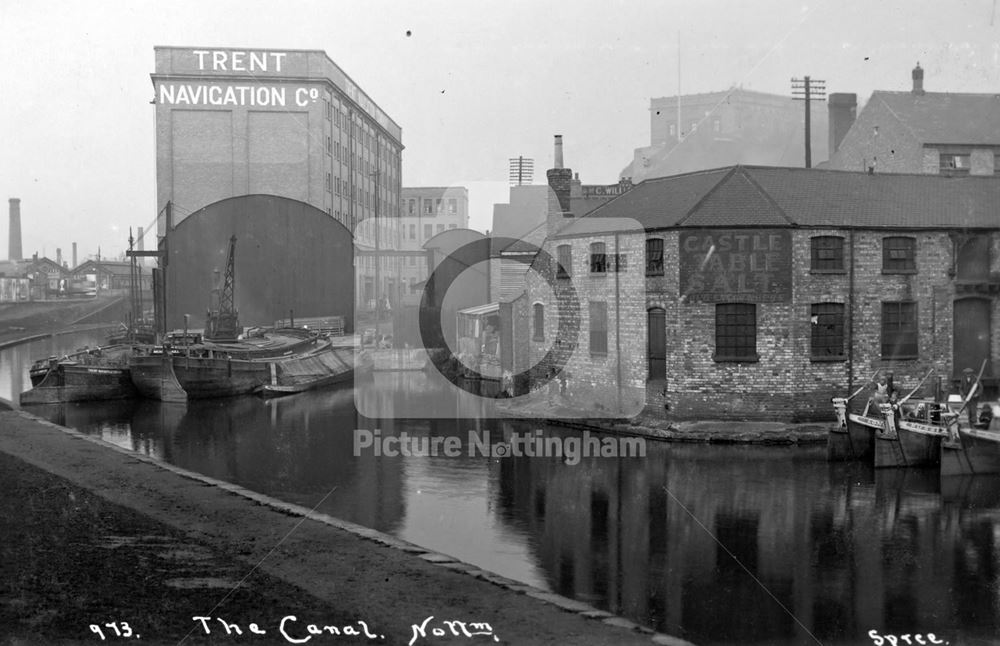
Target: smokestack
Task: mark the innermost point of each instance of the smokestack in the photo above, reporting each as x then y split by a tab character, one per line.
918	79
139	243
560	184
59	256
74	255
843	110
14	242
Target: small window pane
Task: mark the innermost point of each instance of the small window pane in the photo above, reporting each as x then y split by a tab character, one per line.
899	254
598	258
827	253
654	257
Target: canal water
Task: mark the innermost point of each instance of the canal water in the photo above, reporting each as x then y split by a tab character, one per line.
716	544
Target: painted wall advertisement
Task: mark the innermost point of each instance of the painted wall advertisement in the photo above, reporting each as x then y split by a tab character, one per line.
736	266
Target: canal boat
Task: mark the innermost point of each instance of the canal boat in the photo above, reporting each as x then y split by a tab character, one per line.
86	375
853	438
329	366
199	369
909	436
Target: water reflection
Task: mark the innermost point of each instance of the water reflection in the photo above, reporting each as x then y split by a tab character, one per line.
718	545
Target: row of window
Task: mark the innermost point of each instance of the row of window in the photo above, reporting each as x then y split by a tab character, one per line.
955	164
432	207
429	230
899	255
736	330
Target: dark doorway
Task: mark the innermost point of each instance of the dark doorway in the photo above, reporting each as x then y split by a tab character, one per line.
971	334
656	350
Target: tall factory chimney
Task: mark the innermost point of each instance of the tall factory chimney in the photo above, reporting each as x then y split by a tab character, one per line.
560	181
140	245
74	256
14	241
59	256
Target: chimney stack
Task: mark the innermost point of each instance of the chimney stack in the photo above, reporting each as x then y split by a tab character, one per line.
139	243
560	183
843	110
74	255
918	80
14	241
59	256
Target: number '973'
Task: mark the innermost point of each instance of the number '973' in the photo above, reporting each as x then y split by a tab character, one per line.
114	629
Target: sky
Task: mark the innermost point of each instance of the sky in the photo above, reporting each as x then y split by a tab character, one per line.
471	83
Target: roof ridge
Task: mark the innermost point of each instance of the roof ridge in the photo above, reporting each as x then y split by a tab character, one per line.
767	196
708	193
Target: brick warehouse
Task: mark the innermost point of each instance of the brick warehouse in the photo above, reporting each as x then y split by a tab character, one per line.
761	292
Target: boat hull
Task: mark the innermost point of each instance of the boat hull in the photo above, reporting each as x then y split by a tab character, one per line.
973	452
329	367
75	381
203	378
153	376
897	446
853	439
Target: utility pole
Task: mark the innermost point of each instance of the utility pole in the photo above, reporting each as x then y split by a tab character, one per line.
809	90
378	255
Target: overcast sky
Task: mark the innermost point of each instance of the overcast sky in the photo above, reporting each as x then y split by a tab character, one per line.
473	84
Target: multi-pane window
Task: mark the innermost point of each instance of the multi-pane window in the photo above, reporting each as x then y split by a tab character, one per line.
827	330
564	260
598	327
428	231
654	257
539	321
411	206
899	255
428	207
598	258
826	253
736	332
899	330
955	164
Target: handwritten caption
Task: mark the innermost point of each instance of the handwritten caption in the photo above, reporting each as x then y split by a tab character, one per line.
915	639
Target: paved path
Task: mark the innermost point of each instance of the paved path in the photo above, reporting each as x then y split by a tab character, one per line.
94	534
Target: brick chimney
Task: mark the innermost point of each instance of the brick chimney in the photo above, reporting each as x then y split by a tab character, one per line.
59	256
14	241
140	245
843	110
560	182
918	80
74	255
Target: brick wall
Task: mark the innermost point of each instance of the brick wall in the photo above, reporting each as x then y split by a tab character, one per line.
895	147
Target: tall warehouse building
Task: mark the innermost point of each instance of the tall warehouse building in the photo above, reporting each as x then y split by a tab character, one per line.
262	144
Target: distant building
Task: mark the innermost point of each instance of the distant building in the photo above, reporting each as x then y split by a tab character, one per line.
917	132
426	212
718	129
762	292
523	220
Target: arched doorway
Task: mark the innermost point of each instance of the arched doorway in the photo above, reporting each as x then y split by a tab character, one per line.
656	345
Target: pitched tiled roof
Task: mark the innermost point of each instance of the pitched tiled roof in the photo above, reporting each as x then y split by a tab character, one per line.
945	118
760	196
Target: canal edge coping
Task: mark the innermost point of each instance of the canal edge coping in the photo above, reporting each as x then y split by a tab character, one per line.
442	560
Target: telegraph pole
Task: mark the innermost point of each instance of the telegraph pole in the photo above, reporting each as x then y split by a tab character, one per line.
808	90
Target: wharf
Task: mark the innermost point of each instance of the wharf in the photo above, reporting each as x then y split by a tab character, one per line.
96	534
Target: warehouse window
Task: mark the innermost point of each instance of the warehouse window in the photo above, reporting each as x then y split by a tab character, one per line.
598	258
564	261
826	254
899	330
827	322
539	321
954	164
654	257
735	332
899	255
428	207
598	327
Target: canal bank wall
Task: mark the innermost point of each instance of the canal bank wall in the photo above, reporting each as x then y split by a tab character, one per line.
356	572
649	427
